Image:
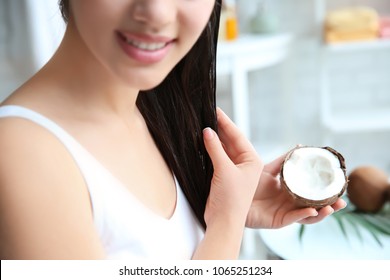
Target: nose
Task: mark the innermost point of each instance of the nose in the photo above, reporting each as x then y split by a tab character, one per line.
156	14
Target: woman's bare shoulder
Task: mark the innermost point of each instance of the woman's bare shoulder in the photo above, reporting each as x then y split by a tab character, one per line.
45	209
18	134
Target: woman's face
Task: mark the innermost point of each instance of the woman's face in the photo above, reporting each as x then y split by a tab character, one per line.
139	41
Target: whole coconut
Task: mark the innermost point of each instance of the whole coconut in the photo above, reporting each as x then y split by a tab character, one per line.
368	188
388	193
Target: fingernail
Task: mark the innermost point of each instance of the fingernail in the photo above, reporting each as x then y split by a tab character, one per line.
208	133
315	214
343	206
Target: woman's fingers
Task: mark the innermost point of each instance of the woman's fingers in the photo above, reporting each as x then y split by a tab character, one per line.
236	174
214	148
299	215
339	204
274	166
322	214
325	212
238	148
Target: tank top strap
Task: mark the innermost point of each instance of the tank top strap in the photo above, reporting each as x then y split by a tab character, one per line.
82	158
22	112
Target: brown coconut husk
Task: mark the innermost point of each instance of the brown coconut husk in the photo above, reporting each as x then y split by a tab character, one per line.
388	193
304	202
368	188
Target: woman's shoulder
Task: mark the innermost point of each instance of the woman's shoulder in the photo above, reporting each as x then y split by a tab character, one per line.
43	195
26	137
18	125
27	147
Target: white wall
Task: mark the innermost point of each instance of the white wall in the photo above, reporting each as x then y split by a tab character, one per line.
30	31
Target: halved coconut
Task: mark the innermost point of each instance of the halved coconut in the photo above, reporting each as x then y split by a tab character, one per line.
314	176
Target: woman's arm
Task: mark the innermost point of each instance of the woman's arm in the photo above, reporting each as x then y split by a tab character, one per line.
222	240
45	212
237	170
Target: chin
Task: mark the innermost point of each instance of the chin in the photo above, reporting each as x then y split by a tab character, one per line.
148	85
143	80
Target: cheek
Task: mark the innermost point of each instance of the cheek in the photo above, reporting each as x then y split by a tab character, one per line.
95	26
193	22
94	18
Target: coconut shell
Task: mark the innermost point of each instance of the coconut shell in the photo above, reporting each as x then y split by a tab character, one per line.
368	188
388	193
304	202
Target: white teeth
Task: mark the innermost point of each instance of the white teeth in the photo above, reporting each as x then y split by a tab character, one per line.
146	46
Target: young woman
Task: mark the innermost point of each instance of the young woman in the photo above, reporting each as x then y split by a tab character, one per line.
110	150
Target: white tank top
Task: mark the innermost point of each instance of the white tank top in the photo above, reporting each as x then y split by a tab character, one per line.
127	228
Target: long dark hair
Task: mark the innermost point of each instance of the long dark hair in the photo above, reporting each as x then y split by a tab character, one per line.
179	108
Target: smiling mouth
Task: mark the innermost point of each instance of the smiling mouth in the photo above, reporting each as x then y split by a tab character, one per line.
145	46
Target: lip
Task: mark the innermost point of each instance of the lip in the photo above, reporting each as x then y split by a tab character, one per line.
142	55
145	37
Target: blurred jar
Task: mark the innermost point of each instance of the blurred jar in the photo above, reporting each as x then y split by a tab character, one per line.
264	21
229	22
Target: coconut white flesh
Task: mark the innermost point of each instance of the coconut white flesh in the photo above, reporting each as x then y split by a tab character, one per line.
314	173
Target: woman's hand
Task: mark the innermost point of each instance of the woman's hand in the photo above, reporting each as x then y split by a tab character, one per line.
237	170
273	207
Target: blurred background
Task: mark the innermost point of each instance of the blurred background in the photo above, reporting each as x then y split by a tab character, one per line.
312	72
319	93
326	83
